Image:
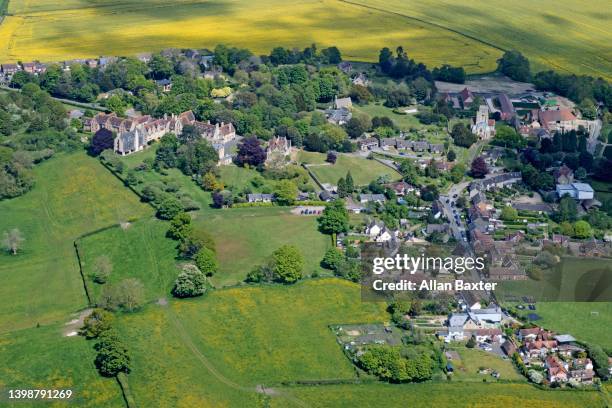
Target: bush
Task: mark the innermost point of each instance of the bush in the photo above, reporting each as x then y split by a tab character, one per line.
169	208
206	261
102	269
96	323
189	283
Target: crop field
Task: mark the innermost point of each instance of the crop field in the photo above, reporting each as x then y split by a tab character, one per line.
246	237
363	170
73	195
454	394
570	35
220	347
41	358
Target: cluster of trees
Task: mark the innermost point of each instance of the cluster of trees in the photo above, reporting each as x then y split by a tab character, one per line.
286	265
346	185
583	89
396	365
112	356
344	264
479	167
400	66
449	73
33	127
310	55
127	295
196	247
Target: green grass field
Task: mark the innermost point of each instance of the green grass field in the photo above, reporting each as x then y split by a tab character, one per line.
571	35
454	394
73	195
218	348
363	170
586	321
41	358
140	251
246	237
472	359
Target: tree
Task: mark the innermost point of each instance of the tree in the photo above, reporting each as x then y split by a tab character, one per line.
98	321
103	139
508	213
451	156
582	229
189	283
515	66
169	208
356	126
457	172
250	152
12	240
350	184
331	157
287	264
567	229
102	269
471	343
332	259
334	219
462	136
206	261
128	296
535	376
180	227
112	357
332	55
567	210
479	167
285	192
508	137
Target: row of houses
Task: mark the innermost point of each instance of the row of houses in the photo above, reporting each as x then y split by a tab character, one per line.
400	144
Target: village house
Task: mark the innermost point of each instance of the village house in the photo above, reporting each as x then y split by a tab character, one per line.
401	188
260	198
9	69
343	103
372	198
507	111
563	175
217	133
361	79
279	149
378	232
467	97
164	84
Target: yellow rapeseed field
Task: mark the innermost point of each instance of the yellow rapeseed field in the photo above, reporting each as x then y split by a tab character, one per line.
570	35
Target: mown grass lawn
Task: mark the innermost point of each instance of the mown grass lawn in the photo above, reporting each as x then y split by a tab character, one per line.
42	358
453	394
246	237
139	250
362	170
73	195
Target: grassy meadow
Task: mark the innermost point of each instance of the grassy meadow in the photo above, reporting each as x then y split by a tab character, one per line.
246	237
73	195
472	359
363	170
41	358
218	348
139	250
571	35
453	394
